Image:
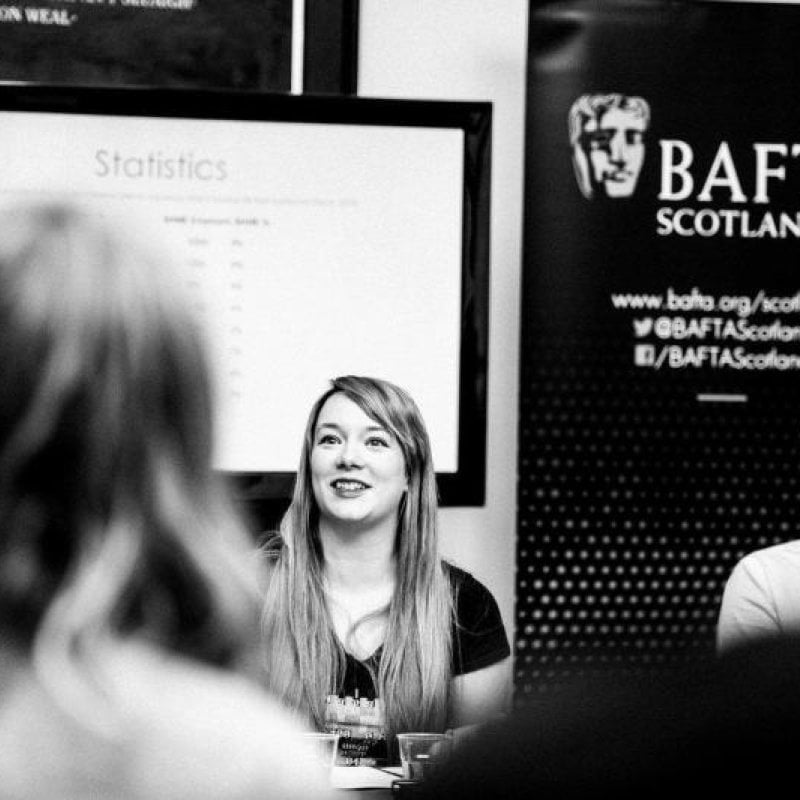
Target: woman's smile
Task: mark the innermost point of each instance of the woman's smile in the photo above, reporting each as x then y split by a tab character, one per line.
347	487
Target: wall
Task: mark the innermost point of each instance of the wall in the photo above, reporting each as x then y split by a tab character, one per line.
472	50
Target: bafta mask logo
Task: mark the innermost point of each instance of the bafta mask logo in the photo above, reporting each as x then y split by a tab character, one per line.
606	132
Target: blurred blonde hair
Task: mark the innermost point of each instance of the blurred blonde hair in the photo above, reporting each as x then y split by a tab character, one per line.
112	521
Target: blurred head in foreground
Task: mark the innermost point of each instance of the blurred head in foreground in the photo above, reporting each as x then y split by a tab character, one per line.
112	522
128	592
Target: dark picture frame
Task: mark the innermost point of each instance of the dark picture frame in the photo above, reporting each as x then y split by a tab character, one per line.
330	52
245	44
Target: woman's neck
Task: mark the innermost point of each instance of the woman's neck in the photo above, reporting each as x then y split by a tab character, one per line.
358	560
359	585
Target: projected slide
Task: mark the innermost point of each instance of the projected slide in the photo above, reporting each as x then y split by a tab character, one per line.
309	251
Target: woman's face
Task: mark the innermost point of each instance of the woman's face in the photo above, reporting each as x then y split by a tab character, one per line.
358	472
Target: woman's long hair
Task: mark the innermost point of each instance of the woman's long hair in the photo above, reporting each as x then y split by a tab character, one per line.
112	521
304	659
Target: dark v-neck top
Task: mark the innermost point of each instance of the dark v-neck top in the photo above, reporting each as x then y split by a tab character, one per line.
356	712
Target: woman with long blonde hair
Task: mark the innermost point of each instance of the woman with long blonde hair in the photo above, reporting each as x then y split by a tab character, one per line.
368	631
128	594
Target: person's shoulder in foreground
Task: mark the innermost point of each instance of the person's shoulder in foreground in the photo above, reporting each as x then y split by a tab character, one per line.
760	597
181	729
233	740
725	727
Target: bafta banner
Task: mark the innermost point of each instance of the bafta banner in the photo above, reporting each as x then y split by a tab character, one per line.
660	410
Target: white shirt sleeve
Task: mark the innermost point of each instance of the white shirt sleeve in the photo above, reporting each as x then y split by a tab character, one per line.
748	609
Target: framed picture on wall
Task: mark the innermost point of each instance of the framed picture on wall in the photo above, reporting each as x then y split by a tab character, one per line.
265	45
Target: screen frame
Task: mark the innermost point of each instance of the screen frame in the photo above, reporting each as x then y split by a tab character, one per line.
465	486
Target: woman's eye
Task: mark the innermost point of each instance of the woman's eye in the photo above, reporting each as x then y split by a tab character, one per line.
327	438
377	441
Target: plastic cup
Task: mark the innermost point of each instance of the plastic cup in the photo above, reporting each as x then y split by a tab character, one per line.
323	747
420	753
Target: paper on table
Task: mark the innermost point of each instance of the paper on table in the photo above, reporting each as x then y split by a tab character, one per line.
364	777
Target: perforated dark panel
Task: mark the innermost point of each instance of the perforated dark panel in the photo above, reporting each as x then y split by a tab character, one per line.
660	368
634	504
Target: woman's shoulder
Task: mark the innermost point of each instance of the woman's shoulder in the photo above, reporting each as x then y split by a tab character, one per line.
268	553
474	605
479	636
270	545
465	584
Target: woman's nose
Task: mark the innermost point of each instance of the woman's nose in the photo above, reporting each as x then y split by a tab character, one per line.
350	455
